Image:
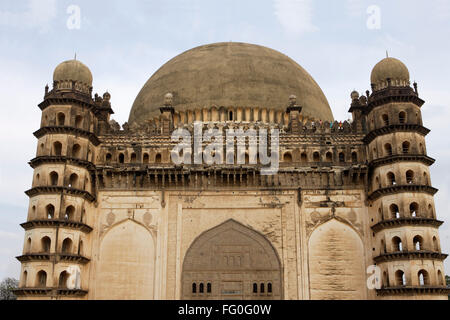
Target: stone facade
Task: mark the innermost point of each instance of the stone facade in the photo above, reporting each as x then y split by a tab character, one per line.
110	203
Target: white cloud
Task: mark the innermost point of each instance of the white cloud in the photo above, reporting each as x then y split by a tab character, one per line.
441	9
295	16
9	235
38	15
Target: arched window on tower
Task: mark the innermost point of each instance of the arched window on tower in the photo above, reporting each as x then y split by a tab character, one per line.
79	122
201	288
61	119
70	213
66	246
208	288
385	280
409	177
391	179
63	277
194	288
24	279
255	288
405	147
418	243
440	278
329	157
54	179
50	210
80	248
402	117
261	290
230	115
46	244
388	149
269	288
76	151
414	209
431	212
33	212
400	278
424	279
73	181
41	279
146	158
425	179
385	119
341	157
435	244
133	158
158	158
397	244
28	246
57	148
354	157
395	212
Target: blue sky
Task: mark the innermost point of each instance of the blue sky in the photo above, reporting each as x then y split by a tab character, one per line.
125	42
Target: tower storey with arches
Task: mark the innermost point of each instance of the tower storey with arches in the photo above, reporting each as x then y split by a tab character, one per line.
111	216
56	255
402	210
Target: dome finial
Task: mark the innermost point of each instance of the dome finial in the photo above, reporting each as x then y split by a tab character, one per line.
168	99
75	56
292	100
387	54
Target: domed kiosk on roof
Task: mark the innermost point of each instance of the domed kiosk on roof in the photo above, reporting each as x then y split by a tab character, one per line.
73	71
389	69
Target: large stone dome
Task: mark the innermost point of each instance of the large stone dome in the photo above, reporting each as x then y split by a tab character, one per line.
231	74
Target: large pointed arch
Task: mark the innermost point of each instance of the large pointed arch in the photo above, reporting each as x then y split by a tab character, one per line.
336	263
231	258
126	263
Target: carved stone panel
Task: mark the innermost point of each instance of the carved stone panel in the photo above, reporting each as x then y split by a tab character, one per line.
231	261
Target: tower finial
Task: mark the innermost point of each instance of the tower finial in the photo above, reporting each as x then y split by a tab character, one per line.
75	56
387	54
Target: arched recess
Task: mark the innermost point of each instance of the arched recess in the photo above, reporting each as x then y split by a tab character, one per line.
126	264
336	263
232	257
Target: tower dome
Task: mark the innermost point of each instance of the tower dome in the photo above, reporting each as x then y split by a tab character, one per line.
389	68
231	74
73	70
